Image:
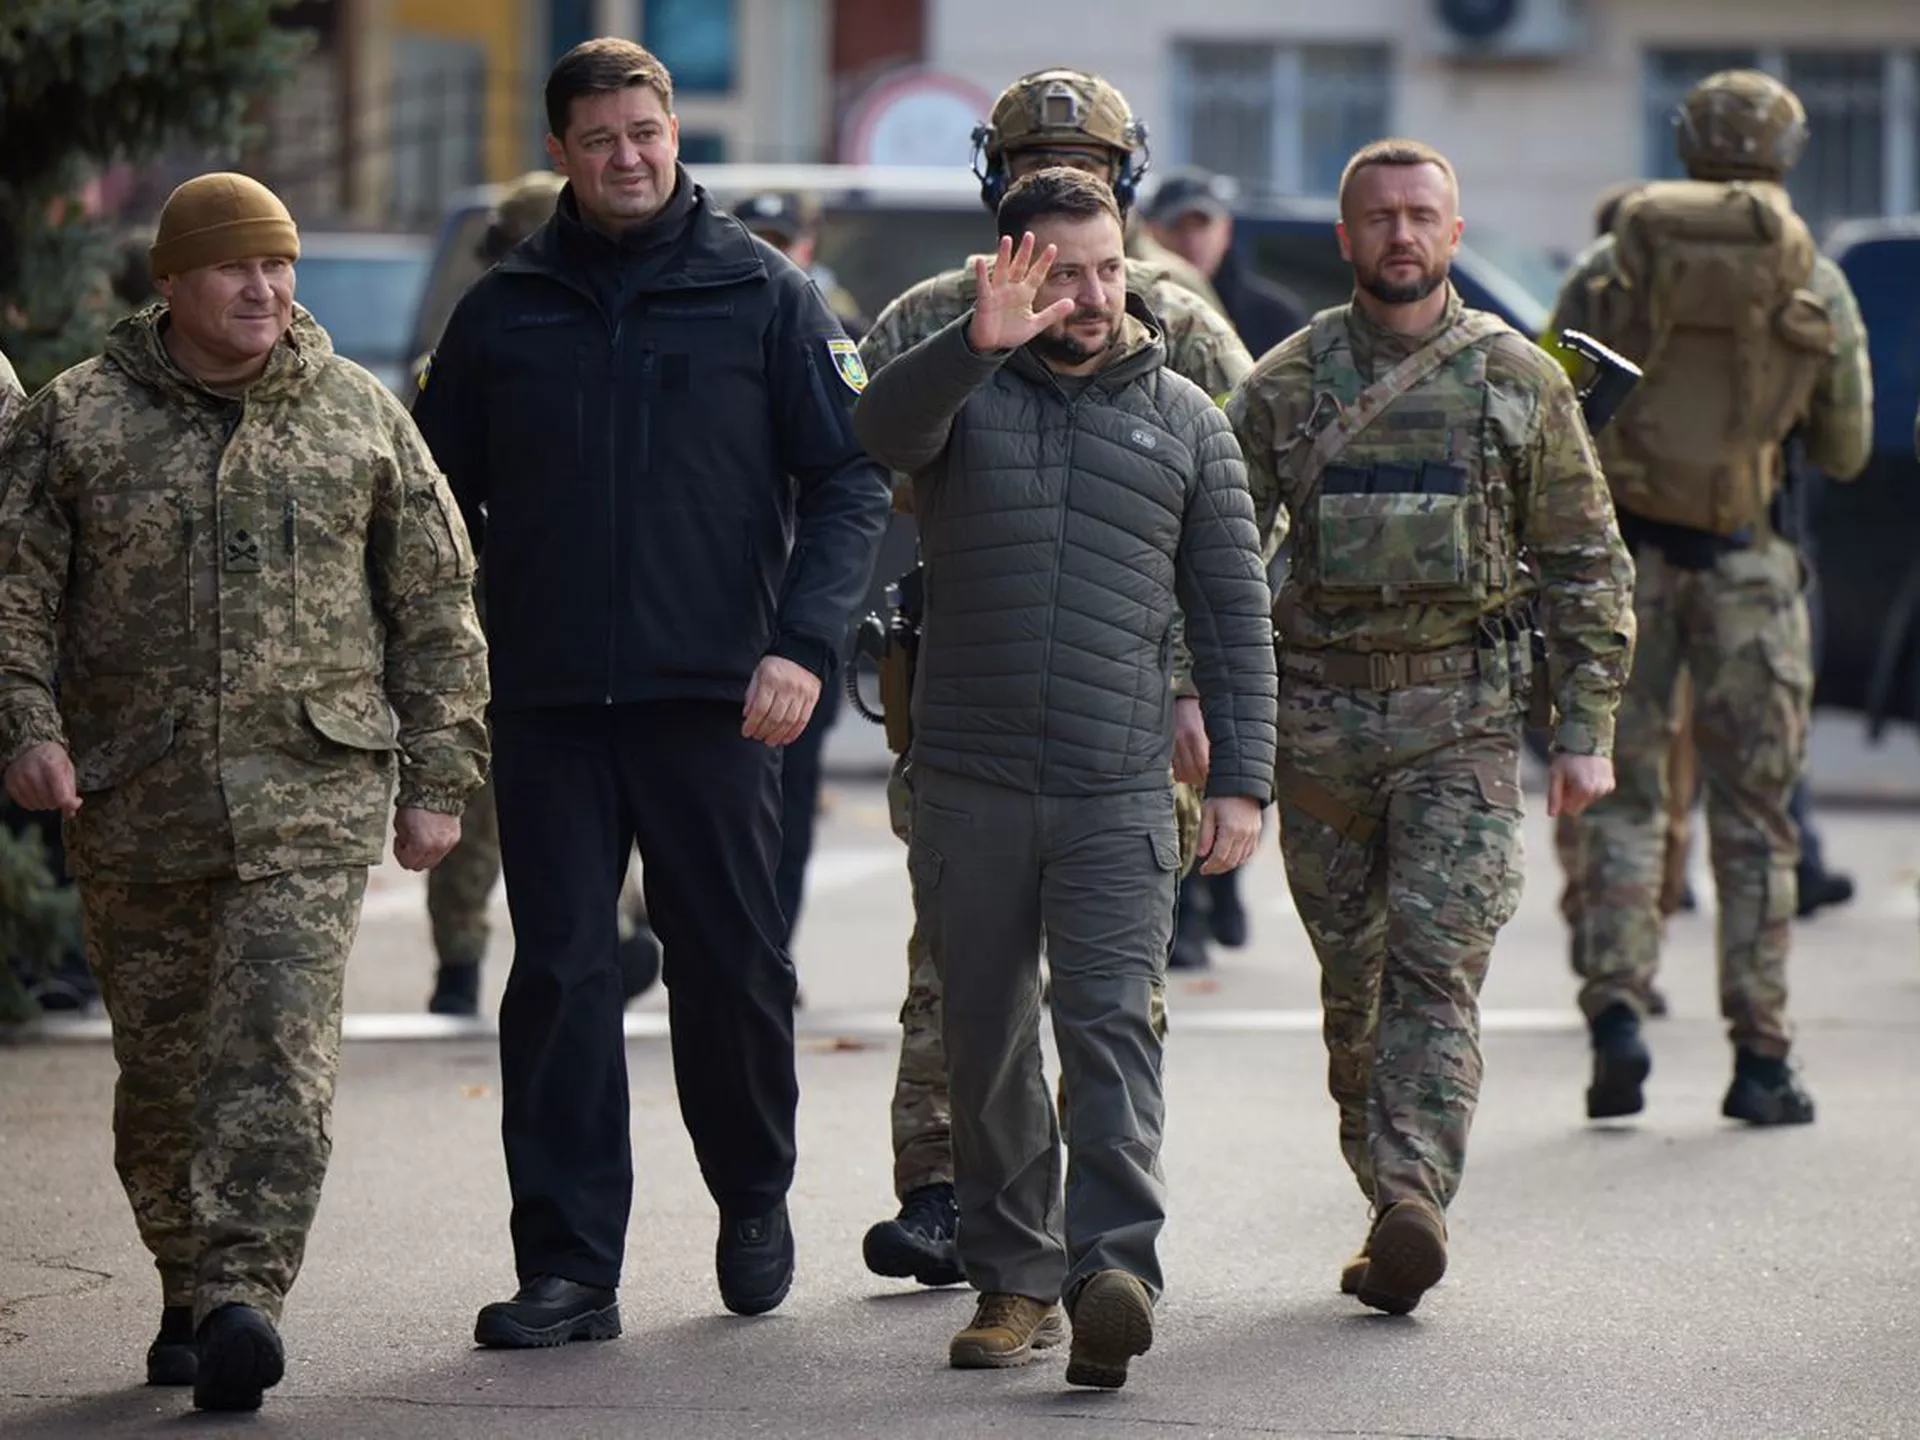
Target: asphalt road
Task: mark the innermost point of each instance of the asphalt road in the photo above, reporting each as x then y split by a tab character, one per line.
1673	1275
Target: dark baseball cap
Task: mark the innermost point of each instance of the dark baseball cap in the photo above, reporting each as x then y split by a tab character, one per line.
1190	191
777	212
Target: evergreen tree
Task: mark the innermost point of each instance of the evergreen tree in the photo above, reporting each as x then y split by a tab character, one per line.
85	84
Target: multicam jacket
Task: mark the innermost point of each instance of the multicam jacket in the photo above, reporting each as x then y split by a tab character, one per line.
1469	493
11	396
237	596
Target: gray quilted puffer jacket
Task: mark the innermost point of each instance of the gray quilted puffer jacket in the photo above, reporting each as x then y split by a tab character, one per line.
1058	524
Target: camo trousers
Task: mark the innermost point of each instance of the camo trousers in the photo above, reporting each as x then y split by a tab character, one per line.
1740	630
225	1001
921	1116
461	886
1683	786
1403	919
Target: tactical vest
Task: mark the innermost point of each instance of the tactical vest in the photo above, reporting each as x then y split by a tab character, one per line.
1416	507
1709	296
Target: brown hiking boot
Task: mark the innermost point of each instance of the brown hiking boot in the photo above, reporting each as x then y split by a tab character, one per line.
1006	1330
1406	1256
1112	1323
1353	1272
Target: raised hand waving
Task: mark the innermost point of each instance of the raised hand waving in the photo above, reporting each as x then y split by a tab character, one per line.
1003	313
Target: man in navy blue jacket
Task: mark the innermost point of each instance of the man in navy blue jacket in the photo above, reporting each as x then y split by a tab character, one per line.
643	413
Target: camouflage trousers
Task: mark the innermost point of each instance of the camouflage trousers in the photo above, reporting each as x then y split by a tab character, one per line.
1740	630
225	1001
461	886
1683	786
921	1116
1403	918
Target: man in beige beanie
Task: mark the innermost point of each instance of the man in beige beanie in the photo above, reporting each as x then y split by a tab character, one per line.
229	566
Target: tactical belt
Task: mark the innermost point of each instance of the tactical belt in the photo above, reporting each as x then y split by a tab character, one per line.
1297	788
1382	669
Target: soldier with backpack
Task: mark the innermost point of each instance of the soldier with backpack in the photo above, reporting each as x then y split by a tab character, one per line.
1747	336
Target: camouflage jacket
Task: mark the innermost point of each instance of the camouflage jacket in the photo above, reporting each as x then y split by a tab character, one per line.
1201	347
11	395
242	595
1838	429
1548	523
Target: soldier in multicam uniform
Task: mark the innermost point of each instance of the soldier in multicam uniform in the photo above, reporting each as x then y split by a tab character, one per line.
1769	343
1437	474
1051	117
234	550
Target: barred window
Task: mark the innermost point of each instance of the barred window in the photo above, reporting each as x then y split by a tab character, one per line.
1281	116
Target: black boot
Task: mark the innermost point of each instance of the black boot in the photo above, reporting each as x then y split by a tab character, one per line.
1820	888
1620	1064
1190	925
1765	1091
240	1358
548	1311
172	1358
753	1260
1226	916
920	1240
456	988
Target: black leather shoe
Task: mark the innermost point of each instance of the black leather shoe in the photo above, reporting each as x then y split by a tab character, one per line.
548	1311
172	1358
1621	1064
240	1358
754	1260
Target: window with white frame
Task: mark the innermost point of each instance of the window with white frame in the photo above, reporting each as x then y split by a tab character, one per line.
1863	123
1285	116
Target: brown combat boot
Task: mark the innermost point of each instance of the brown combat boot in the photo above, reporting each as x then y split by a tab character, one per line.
1005	1332
1406	1256
1353	1272
1112	1323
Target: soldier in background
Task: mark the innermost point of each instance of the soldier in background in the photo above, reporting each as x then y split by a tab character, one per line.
1190	216
233	636
1050	117
1773	346
790	223
1438	477
460	888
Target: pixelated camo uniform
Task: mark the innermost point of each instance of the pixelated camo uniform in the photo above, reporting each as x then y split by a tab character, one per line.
1201	346
261	611
1402	691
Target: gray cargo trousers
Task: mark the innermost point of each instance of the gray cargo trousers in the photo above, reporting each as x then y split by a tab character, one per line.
994	870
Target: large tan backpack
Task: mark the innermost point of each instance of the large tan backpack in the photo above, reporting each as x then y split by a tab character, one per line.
1710	297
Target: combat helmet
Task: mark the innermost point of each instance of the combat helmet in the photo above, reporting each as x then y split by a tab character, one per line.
1740	125
524	206
1060	107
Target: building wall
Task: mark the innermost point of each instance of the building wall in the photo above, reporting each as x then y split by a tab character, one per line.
1533	142
501	30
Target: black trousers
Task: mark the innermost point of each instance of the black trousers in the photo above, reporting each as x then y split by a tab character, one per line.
576	788
800	804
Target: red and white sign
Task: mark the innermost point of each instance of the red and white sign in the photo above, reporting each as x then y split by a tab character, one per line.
915	116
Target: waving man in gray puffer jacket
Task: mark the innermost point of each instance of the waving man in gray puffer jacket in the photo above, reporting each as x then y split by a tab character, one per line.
1069	489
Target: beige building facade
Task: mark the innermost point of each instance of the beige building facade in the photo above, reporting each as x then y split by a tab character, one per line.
1569	97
